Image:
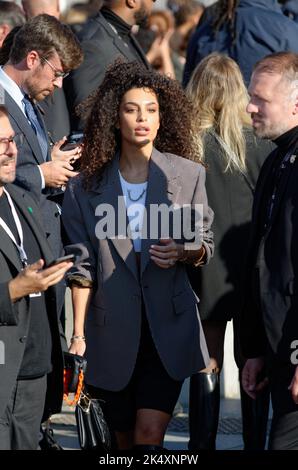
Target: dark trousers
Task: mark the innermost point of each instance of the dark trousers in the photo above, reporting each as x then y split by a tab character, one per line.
19	426
284	428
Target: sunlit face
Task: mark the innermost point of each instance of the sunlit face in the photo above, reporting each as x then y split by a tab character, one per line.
42	81
272	105
8	159
139	117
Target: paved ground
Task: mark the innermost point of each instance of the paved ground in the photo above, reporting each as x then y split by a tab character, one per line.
229	435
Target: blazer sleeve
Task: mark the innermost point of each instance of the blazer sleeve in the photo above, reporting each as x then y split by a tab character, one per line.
76	238
28	176
8	310
200	198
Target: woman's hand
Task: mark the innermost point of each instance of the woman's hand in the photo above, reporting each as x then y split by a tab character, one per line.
167	253
78	346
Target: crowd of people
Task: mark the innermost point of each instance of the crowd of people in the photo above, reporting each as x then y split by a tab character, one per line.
159	147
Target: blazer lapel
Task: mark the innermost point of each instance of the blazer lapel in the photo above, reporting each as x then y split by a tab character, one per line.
109	197
283	184
140	51
9	250
40	113
163	188
261	183
21	121
24	204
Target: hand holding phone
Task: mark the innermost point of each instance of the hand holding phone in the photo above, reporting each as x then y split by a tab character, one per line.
69	258
72	141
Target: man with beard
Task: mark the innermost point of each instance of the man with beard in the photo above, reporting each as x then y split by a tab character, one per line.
105	38
32	364
269	330
42	53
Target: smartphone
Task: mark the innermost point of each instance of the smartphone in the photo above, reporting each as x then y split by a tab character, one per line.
73	140
71	257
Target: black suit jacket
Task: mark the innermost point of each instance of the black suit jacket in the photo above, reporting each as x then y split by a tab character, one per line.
15	318
56	115
101	46
28	174
274	319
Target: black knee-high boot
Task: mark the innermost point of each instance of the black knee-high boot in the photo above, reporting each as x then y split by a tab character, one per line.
254	419
204	400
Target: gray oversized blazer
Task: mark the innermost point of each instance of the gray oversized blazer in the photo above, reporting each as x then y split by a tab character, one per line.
113	323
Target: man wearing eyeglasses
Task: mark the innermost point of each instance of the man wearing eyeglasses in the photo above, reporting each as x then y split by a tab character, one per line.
31	363
43	52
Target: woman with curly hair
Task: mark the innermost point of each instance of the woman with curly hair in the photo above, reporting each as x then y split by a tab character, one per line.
233	157
135	314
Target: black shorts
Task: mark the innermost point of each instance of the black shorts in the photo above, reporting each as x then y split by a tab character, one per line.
150	387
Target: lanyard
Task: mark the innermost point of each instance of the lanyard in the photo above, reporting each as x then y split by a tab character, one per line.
20	247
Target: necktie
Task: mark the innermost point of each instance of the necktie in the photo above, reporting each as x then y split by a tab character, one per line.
36	126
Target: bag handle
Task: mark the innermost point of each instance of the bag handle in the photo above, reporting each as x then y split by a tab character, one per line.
66	380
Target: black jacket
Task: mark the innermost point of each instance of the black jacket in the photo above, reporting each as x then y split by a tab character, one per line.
230	195
101	46
15	318
274	318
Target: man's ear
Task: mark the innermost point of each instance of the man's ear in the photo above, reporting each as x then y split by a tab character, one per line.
132	4
4	30
32	59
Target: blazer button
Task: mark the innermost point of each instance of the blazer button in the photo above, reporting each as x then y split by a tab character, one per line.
23	339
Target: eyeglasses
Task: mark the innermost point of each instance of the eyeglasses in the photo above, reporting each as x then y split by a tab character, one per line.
17	139
57	73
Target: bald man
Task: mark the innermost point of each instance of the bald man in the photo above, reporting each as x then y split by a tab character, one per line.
104	38
11	15
33	8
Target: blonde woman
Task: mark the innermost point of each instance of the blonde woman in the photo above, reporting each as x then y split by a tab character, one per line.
233	159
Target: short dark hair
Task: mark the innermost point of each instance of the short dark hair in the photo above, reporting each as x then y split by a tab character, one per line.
11	14
45	34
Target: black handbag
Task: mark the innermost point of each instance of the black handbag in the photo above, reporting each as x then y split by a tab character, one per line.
93	430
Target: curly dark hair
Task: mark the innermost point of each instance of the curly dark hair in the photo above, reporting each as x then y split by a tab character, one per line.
102	138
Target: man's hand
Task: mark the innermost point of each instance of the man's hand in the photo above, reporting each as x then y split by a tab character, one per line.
251	370
34	279
69	156
294	386
57	173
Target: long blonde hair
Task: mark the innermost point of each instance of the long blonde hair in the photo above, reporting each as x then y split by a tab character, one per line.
219	96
